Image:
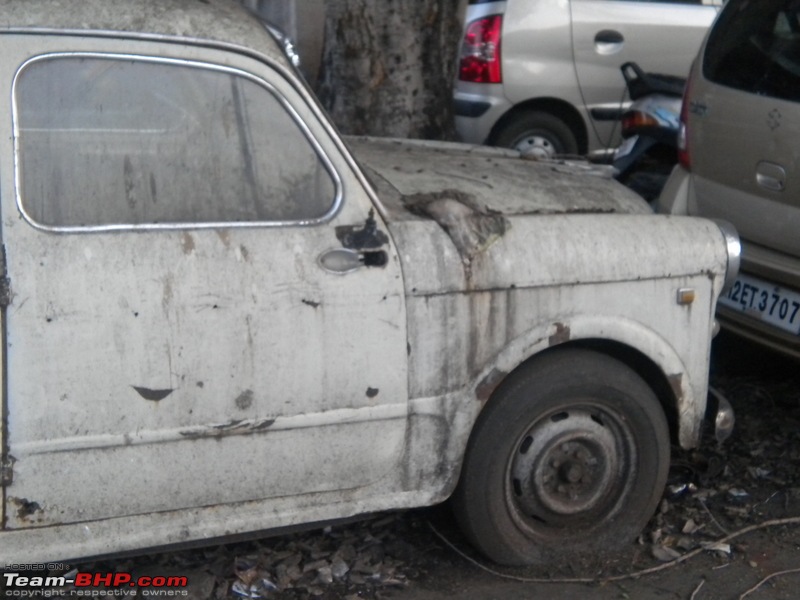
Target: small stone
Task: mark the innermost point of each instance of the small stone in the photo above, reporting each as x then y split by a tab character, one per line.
685	544
717	547
315	565
339	568
315	591
664	554
292	559
690	527
356	578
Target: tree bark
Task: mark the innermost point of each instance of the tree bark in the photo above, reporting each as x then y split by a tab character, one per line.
388	66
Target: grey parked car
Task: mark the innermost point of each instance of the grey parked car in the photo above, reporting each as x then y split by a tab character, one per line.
739	161
543	76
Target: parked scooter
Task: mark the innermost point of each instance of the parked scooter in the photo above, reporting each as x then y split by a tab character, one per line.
649	130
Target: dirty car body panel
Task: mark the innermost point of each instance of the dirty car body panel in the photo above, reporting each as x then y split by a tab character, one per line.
574	218
223	318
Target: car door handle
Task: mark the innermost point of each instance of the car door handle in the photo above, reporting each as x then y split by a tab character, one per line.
345	260
771	176
608	41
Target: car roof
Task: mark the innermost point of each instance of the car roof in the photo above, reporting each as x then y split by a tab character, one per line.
221	21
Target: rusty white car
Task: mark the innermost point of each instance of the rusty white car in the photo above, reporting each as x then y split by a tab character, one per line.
219	317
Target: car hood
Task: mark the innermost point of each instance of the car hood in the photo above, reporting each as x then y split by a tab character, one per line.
467	218
499	181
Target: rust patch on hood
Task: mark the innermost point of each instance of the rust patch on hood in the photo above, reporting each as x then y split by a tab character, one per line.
472	228
488	384
676	384
187	243
26	509
224	237
560	336
235	427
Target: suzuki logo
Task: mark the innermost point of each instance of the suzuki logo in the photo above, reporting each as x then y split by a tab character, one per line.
774	119
698	108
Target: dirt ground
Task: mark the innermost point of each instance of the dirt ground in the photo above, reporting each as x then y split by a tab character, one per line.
713	497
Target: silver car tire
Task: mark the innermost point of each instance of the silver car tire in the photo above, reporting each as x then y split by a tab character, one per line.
539	133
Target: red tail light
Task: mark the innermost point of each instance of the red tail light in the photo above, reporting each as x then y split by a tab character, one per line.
684	158
635	121
480	51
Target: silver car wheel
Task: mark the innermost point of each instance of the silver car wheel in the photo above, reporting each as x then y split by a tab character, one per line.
537	146
537	134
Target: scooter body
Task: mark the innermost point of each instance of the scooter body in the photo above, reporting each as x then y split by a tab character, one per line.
649	126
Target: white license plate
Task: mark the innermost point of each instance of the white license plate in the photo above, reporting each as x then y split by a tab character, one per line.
765	301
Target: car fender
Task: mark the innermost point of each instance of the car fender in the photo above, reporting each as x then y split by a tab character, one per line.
688	382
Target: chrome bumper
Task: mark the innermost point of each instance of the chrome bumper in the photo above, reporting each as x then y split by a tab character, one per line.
721	411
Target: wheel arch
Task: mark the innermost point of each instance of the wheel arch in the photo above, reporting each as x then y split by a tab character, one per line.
570	455
640	348
645	367
554	106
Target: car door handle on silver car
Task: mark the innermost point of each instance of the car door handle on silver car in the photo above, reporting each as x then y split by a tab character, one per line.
345	260
771	176
608	41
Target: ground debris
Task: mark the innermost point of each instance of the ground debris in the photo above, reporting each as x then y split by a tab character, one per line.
335	562
363	560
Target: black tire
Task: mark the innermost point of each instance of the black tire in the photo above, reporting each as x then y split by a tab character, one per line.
570	456
539	132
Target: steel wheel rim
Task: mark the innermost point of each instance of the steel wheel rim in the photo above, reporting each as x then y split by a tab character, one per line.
566	470
536	145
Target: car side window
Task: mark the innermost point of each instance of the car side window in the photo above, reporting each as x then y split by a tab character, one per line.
134	141
755	47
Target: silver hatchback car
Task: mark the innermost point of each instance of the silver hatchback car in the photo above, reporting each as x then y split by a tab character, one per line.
543	75
739	161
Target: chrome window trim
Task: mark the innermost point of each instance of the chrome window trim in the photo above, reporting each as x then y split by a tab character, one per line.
306	131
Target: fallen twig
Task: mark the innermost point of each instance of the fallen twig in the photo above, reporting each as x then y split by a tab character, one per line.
766	579
697	589
713	520
632	575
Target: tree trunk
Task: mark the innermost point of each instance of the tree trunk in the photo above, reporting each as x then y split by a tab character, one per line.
388	66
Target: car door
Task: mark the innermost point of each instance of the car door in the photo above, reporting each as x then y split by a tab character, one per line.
743	121
661	36
187	326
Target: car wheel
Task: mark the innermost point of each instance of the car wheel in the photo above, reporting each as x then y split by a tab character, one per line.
569	456
538	133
